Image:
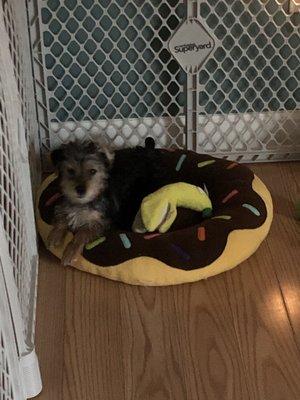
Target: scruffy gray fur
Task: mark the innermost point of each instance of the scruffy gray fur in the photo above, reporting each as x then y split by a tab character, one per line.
101	189
83	170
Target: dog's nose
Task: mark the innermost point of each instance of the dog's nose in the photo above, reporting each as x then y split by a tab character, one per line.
80	190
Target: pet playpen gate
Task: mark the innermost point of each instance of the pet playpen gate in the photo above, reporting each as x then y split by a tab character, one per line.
104	68
19	372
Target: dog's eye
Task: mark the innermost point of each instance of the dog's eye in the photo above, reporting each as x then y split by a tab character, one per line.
71	171
92	171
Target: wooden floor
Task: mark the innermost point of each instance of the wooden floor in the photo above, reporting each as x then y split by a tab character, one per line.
234	336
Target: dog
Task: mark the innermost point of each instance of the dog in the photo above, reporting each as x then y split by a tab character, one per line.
102	190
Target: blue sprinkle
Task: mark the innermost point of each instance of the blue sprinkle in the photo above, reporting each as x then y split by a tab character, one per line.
125	240
180	162
181	252
252	209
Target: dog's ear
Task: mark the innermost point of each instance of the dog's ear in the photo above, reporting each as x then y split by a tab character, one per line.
107	156
57	156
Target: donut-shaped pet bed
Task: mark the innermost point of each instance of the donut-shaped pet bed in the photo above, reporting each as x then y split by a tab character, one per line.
195	248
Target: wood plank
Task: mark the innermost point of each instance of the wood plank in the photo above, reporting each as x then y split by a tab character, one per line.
93	347
180	343
266	340
229	337
125	342
284	179
50	325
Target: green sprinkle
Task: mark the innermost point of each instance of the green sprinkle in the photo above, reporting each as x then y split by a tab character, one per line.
205	163
95	243
226	217
125	240
206	213
180	162
252	209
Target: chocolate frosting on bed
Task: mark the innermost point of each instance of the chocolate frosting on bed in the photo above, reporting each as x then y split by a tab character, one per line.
193	242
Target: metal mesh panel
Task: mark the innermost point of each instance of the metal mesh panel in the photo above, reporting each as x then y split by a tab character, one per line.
39	79
109	71
18	140
13	216
249	95
9	369
15	197
6	383
15	21
14	48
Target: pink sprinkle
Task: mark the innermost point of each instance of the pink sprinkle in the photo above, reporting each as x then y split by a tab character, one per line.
53	199
201	233
230	195
151	236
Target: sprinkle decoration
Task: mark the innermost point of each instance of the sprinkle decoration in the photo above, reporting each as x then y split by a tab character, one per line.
234	192
226	217
181	252
151	236
180	162
53	199
207	212
125	240
232	165
201	234
252	209
95	243
205	163
205	189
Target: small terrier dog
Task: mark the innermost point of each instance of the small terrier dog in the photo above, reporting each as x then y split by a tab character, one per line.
101	190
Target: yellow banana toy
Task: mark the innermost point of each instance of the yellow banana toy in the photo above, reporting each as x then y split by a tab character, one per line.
159	209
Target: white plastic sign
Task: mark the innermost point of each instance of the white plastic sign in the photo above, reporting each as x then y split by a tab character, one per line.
191	45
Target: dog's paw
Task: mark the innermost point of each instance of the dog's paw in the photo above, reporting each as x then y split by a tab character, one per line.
55	237
71	253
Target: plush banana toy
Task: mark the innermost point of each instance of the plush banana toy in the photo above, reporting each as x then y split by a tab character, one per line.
159	210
